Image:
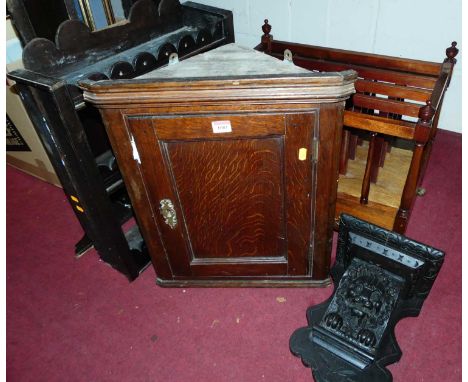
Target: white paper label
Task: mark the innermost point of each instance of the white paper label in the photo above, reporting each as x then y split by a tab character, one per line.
221	127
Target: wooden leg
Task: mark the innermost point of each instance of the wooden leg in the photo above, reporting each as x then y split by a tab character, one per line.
409	191
428	148
425	159
367	174
383	153
389	144
353	141
376	160
344	152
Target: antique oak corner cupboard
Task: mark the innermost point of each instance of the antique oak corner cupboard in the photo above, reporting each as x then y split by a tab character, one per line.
231	161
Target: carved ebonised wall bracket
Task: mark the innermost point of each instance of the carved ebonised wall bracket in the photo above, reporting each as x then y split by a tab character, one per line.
379	277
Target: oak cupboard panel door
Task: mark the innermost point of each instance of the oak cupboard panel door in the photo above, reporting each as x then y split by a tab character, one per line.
230	192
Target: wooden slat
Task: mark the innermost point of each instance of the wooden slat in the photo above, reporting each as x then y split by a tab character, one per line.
377	213
392	127
386	105
391	90
366	72
359	58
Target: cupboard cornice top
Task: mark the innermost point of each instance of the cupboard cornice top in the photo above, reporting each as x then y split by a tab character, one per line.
329	87
230	72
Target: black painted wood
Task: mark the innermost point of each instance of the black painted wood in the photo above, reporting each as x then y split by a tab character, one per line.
144	62
380	277
72	132
21	21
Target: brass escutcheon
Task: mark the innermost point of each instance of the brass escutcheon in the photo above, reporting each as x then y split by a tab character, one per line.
166	207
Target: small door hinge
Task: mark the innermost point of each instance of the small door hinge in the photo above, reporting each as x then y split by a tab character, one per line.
315	149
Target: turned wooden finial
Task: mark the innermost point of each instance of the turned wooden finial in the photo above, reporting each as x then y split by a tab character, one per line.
426	112
267	38
266	28
451	52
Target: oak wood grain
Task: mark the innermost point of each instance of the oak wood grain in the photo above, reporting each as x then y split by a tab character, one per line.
234	205
200	127
300	188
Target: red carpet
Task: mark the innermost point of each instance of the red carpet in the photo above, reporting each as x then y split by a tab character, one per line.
79	320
